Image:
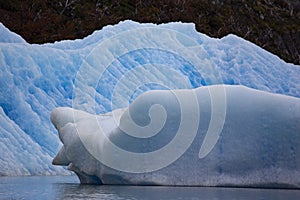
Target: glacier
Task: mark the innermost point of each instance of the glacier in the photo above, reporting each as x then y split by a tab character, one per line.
107	71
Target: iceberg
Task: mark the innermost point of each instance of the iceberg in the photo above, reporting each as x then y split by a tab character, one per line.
107	71
164	138
17	149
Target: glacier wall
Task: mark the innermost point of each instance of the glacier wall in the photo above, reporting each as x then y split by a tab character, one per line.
108	70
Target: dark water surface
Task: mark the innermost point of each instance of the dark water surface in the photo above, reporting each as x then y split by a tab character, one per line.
68	187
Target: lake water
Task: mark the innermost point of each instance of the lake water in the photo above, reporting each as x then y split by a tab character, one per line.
68	187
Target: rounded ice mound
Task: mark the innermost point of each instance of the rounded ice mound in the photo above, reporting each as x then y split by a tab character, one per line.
258	144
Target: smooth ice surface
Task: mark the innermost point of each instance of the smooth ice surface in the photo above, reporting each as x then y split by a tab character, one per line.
259	144
132	58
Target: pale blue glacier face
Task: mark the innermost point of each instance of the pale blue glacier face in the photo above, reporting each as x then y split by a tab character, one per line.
110	69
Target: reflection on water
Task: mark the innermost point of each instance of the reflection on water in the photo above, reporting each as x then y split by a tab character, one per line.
68	187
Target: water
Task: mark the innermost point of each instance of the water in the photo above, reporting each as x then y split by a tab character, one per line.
68	187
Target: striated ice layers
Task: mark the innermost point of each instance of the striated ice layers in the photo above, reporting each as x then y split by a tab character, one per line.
35	79
258	143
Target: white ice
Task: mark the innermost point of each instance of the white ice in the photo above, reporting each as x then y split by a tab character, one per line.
258	145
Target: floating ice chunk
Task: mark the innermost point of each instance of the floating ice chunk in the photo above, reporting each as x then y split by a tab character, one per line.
258	143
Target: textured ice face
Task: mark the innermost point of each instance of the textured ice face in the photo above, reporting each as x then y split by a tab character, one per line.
257	144
8	37
107	71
